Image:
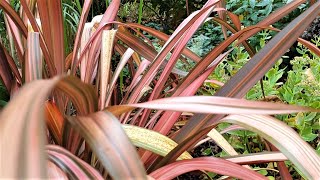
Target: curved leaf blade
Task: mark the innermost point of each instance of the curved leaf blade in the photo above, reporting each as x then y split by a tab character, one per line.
217	165
44	45
123	61
211	104
51	14
254	70
81	27
255	158
284	138
164	37
27	157
109	15
14	16
54	172
82	95
6	76
85	101
71	164
107	139
55	121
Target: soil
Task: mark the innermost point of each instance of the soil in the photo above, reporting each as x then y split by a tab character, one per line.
198	152
312	31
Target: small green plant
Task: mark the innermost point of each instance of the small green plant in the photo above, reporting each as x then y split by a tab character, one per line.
130	12
251	12
71	17
301	87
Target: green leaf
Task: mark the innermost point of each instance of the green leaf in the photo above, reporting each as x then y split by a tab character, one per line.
270	177
288	96
259	64
263	3
252	3
207	152
255	69
310	116
3	103
263	172
300	120
307	134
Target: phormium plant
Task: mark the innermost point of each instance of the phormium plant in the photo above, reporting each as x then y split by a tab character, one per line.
68	118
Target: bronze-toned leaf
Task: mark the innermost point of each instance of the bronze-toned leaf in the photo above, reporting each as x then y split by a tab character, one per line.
73	166
284	138
52	27
14	16
216	165
104	134
5	74
33	62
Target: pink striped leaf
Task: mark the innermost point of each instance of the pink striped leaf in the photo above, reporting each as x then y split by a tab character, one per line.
216	165
212	104
283	138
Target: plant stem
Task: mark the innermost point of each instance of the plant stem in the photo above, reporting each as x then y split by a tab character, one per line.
107	3
140	11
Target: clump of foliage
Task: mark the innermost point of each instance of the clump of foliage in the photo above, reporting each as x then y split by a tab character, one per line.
71	116
300	88
251	12
2	27
71	17
128	12
207	37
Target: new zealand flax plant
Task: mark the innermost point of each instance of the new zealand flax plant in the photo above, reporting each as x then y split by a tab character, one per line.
69	116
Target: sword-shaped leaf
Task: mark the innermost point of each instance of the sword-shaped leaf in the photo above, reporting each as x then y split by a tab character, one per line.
109	142
25	117
284	138
216	165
